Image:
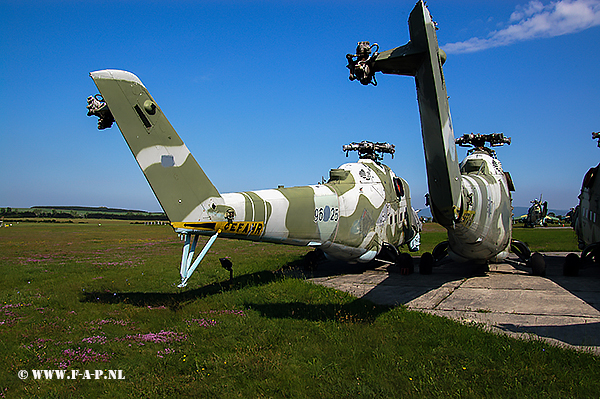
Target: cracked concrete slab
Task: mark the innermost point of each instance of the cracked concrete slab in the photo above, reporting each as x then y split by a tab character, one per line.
506	298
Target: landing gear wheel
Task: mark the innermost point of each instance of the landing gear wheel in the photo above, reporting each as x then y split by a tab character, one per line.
426	264
571	265
520	249
440	251
406	264
537	264
590	254
311	259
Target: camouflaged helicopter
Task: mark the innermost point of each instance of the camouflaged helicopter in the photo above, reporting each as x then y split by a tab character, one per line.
471	199
586	222
536	214
362	213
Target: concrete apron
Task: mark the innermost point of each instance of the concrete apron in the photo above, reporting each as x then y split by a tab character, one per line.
507	299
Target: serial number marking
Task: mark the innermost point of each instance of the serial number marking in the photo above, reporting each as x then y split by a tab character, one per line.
327	214
244	228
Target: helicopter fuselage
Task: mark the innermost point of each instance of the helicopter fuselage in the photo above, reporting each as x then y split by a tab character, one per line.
361	207
484	228
587	219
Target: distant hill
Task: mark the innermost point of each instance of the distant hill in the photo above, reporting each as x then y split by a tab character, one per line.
90	209
80	212
518	211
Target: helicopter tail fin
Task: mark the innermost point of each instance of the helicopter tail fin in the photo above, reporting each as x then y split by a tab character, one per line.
443	173
422	58
178	182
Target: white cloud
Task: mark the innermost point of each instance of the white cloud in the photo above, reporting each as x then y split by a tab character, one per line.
536	20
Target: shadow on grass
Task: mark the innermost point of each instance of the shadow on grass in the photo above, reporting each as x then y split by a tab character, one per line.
358	311
175	300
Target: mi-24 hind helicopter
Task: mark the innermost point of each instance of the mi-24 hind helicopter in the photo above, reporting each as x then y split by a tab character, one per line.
471	199
536	214
586	221
362	213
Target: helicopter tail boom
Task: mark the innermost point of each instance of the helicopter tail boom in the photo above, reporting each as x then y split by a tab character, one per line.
178	182
438	137
422	58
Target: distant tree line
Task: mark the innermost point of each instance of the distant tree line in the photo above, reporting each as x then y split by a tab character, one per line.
81	213
126	216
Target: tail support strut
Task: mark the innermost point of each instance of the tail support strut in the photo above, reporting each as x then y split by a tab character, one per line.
187	267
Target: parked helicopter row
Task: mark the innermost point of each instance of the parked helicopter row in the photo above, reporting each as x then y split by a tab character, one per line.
585	222
538	216
364	211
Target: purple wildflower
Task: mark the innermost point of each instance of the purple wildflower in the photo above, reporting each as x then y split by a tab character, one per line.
202	322
160	338
164	352
82	355
96	339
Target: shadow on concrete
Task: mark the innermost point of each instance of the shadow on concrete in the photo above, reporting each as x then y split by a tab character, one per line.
384	284
578	335
586	285
577	326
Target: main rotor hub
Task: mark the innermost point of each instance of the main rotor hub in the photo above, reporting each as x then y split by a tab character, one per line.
370	150
478	141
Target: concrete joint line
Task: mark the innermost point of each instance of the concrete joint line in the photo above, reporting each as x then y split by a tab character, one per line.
449	293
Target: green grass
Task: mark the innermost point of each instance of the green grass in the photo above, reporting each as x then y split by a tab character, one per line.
555	239
547	239
89	297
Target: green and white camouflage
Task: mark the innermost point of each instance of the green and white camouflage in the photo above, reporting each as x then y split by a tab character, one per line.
470	199
363	211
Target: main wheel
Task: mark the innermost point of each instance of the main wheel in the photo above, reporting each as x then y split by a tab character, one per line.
311	260
426	264
440	251
520	249
405	262
571	265
537	264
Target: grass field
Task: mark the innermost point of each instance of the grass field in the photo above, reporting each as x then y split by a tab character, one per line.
102	296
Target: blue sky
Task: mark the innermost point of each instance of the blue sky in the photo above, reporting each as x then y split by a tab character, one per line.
259	92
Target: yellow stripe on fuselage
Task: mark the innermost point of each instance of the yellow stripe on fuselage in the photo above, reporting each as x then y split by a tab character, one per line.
239	228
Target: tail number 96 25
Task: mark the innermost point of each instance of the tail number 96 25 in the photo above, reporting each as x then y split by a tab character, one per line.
326	214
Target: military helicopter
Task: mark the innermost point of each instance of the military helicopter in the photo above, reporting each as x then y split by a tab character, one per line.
362	213
585	221
536	214
471	199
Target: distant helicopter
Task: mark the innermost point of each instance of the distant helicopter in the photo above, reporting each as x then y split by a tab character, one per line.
536	214
362	213
586	221
471	199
